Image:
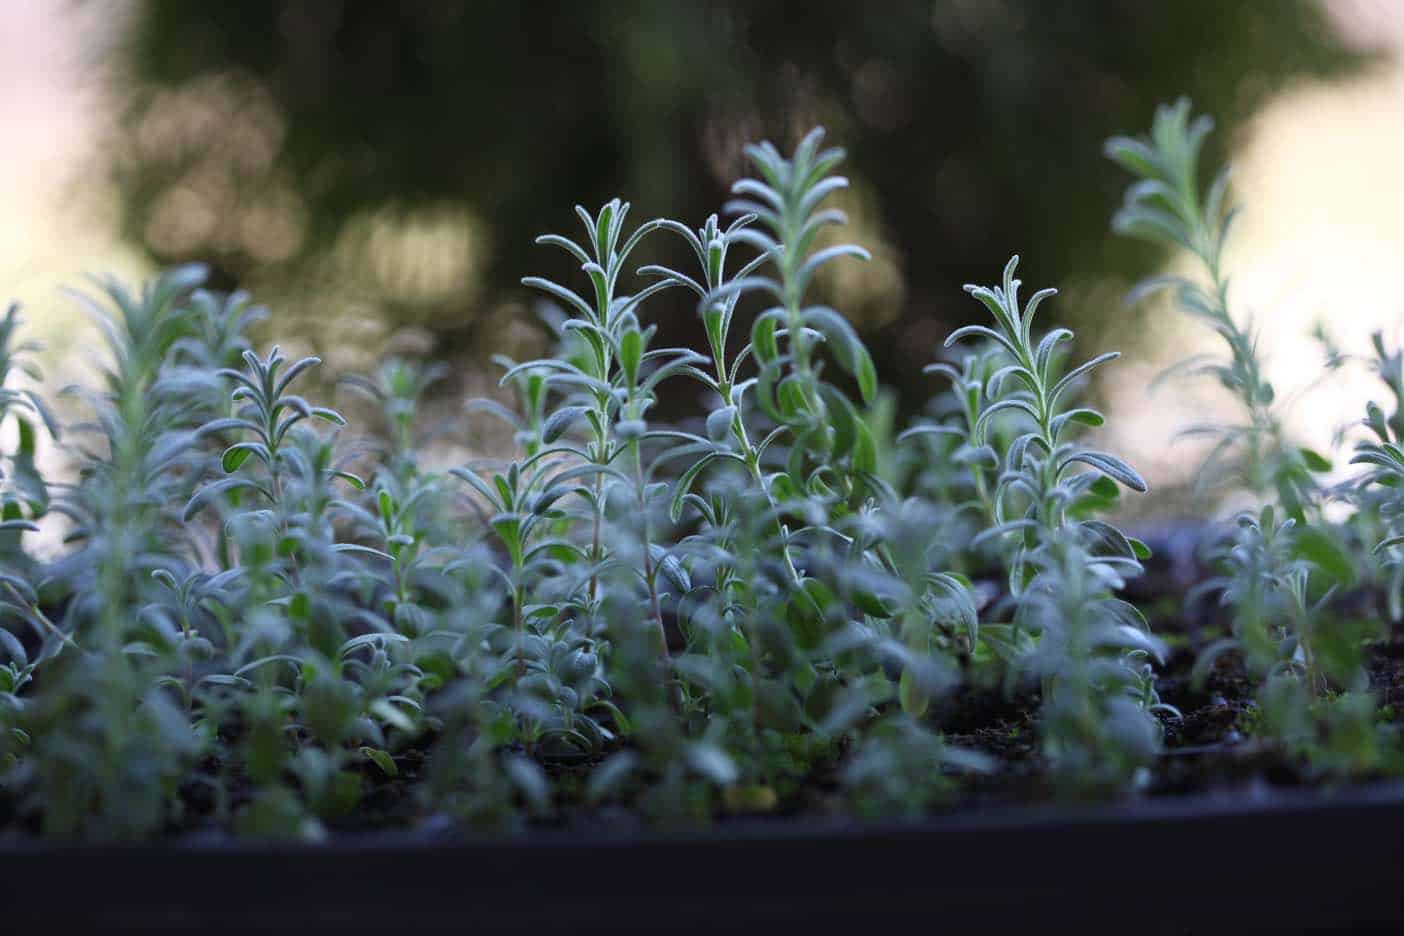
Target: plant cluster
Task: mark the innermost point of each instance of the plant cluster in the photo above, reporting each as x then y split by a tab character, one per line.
259	624
1283	561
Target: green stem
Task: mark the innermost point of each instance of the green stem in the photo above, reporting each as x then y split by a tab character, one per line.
650	572
519	627
752	458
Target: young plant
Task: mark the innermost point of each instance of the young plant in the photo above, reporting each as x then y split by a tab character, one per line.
398	389
1314	697
25	496
954	468
728	436
1281	572
521	506
1379	493
823	426
596	371
1169	206
1066	565
109	746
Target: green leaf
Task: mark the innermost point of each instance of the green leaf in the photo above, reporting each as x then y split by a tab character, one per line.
719	424
870	604
1132	155
1375	419
1109	465
300	606
1315	461
630	354
914	701
350	479
1388	543
864	449
558	422
376	639
234	456
602	230
1082	416
1104	488
1325	552
956	603
328	415
361	550
848	349
27	441
764	345
12	647
504	491
381	759
793	404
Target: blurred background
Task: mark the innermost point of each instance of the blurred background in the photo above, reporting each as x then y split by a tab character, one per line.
376	171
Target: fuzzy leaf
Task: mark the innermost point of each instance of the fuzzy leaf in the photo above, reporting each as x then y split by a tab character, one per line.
215	489
712	762
1109	465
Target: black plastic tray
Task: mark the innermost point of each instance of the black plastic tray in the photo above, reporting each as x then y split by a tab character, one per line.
1272	862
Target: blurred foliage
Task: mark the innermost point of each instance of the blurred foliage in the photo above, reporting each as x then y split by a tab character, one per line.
407	153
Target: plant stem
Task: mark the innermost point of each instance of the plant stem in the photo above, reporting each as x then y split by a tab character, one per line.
519	627
650	571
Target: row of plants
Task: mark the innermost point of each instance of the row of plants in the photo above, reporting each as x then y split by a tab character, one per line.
262	623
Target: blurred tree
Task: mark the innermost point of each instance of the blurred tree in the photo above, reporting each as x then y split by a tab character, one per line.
407	153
